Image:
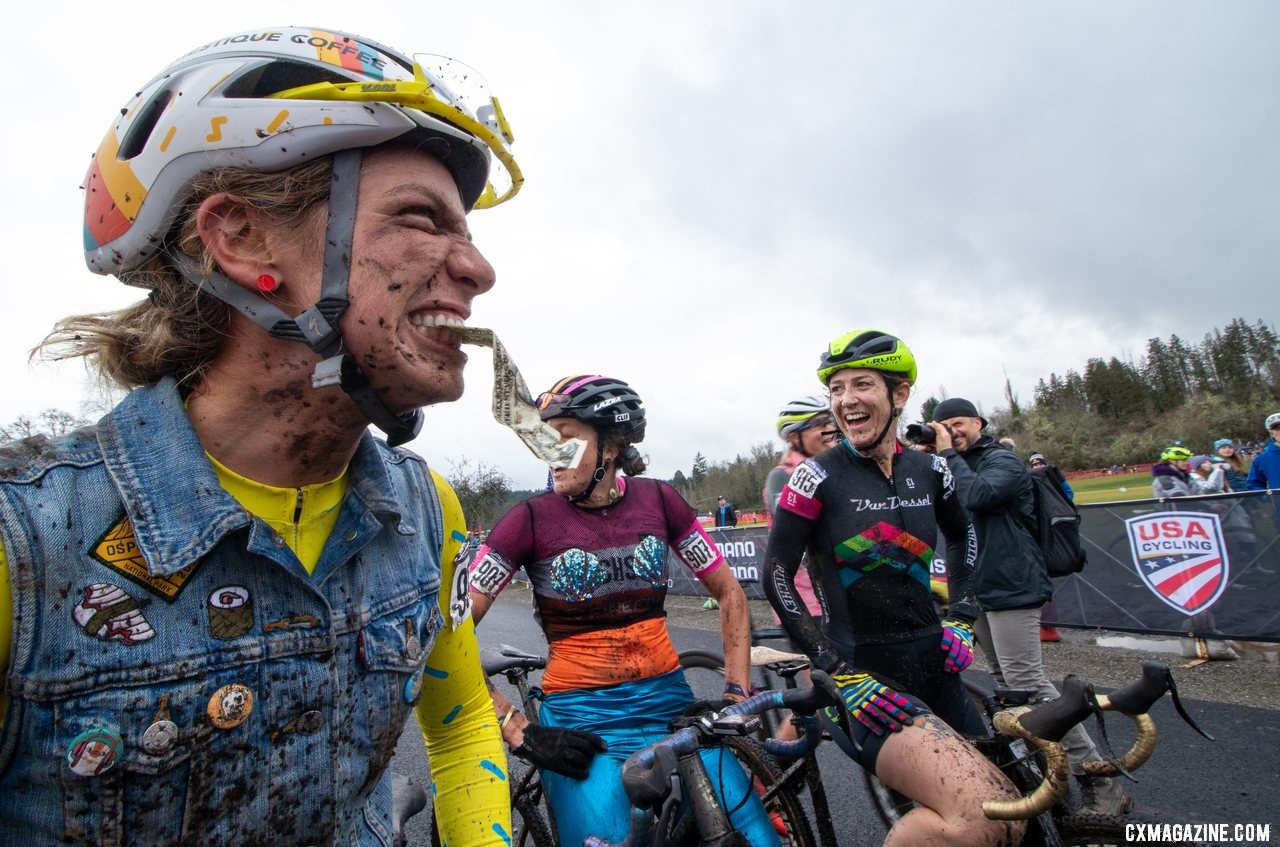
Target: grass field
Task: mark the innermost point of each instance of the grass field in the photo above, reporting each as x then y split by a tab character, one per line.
1108	489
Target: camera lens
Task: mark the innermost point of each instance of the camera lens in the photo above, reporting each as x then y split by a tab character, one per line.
918	433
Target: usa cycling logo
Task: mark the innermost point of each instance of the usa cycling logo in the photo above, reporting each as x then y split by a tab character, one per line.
1181	557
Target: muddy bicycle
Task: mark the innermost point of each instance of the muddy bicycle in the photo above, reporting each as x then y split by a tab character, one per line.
1022	746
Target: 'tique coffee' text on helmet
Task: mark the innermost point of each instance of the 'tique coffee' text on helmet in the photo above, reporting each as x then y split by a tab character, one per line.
599	401
795	416
867	348
272	99
1175	454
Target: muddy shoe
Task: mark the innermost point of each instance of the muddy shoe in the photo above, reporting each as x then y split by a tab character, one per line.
1103	796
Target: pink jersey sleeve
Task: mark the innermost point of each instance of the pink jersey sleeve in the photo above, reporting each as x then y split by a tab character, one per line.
800	494
696	549
690	541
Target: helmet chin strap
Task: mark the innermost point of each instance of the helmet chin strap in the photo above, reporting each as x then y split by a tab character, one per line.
317	327
596	476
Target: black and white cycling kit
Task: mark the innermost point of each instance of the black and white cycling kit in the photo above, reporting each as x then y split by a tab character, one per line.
870	540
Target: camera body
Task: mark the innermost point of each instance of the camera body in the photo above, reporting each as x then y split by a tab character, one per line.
920	433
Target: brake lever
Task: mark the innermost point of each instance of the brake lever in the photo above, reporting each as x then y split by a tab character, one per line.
1108	754
1177	705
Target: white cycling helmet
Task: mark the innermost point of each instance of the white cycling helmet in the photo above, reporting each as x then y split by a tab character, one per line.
796	415
269	100
1272	420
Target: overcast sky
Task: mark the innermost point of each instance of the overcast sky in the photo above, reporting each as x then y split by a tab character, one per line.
714	190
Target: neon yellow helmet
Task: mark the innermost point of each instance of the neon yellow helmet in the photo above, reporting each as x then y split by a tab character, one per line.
1175	454
867	348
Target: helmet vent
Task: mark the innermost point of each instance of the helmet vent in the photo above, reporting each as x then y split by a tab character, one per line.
140	131
273	77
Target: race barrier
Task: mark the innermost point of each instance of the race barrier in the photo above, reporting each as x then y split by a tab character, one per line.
1202	567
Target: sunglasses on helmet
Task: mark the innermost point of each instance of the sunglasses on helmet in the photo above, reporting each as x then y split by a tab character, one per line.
553	405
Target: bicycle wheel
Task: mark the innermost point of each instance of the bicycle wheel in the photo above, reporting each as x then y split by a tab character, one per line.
781	802
530	826
704	671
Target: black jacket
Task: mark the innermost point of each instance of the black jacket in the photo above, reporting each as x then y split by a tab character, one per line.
996	489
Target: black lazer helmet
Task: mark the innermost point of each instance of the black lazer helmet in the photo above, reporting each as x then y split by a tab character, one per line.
600	401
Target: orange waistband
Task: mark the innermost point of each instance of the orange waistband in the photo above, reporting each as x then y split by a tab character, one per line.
610	657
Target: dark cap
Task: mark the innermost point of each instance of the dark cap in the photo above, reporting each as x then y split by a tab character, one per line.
956	407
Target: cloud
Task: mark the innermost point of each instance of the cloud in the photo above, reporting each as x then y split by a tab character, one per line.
715	190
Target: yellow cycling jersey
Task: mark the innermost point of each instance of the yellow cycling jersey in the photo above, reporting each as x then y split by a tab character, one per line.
455	712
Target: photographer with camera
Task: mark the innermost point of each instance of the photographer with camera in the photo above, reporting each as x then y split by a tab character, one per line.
1010	582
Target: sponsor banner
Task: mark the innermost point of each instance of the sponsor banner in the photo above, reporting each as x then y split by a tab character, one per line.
1205	567
743	551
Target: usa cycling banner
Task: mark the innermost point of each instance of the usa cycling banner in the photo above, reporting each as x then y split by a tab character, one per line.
1203	567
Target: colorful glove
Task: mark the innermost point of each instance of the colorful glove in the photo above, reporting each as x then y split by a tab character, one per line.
874	705
957	642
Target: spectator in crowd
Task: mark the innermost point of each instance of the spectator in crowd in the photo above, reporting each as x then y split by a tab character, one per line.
1039	464
1264	473
1233	464
725	514
1010	580
1206	477
1038	460
1171	475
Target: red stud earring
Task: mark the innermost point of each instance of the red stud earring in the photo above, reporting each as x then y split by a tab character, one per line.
267	283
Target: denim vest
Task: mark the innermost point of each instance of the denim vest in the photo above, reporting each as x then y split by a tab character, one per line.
178	677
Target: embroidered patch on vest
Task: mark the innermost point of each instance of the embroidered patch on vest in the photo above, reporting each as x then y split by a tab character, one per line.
118	550
230	612
107	612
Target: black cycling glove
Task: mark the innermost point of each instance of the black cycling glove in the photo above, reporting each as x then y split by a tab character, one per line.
565	751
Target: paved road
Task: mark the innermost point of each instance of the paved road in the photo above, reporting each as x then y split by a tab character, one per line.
1233	780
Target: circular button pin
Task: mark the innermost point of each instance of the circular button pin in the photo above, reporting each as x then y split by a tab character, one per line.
309	723
412	647
160	737
230	706
413	688
94	751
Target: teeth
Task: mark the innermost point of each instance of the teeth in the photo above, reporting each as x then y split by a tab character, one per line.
429	319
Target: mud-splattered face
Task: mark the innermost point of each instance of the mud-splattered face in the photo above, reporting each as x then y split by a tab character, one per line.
862	404
414	273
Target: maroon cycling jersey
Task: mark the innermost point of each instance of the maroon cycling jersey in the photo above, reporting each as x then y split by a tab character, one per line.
594	569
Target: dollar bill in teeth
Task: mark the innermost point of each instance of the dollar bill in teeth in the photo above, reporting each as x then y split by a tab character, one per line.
513	405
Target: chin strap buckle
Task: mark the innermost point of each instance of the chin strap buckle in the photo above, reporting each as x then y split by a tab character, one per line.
328	372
